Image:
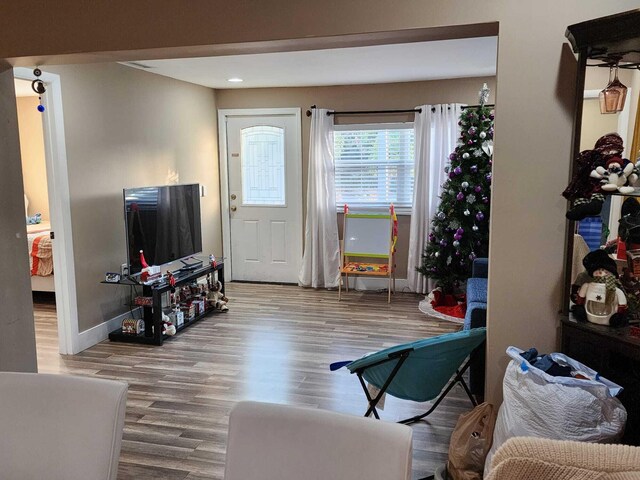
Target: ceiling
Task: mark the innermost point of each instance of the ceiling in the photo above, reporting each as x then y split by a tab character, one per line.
23	88
406	62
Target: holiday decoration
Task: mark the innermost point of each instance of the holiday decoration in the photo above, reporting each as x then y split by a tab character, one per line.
460	229
601	300
591	173
38	86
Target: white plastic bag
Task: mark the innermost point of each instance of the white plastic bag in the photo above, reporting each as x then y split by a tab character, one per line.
536	404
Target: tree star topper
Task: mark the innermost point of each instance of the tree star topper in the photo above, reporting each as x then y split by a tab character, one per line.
484	94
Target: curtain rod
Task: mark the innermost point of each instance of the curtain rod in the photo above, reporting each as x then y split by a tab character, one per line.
368	112
376	112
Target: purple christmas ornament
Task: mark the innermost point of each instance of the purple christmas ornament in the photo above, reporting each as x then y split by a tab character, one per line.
451	174
452	157
478	188
479	216
485	199
457	170
472	130
443	243
432	237
474	168
460	196
470	142
457	236
460	231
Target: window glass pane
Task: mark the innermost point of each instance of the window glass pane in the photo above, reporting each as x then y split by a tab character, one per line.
263	174
374	166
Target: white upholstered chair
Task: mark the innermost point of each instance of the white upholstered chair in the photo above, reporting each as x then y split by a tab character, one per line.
60	427
278	442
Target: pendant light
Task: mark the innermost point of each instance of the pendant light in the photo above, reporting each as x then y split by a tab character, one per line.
613	96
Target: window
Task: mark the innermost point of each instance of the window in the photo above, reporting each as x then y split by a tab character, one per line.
263	173
374	166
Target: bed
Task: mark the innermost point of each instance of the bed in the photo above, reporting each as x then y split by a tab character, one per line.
40	257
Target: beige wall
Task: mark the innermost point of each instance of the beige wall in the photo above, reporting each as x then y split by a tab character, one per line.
387	96
17	335
34	169
128	128
535	102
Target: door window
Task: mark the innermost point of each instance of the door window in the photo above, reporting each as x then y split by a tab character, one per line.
263	173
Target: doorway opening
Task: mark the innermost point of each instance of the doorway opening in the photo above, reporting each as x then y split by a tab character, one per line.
47	216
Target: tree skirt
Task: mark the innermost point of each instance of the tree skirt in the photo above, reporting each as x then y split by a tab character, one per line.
451	313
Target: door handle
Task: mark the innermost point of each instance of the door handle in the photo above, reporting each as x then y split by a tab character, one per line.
233	208
233	196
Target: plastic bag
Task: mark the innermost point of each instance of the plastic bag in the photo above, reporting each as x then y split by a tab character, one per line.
536	404
470	443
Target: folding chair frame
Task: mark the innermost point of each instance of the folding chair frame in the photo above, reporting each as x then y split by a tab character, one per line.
401	356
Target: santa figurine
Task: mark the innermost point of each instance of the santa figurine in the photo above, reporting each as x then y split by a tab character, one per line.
601	300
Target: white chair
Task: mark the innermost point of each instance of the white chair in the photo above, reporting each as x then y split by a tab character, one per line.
278	442
60	427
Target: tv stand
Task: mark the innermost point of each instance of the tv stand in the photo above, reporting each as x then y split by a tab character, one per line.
152	314
190	266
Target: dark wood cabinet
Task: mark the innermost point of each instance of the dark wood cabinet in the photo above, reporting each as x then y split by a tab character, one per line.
613	352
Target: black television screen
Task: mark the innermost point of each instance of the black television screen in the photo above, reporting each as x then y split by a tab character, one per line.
164	222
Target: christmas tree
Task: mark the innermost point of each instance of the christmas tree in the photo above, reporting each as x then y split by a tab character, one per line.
460	228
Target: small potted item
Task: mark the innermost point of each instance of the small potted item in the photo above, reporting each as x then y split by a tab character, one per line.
601	300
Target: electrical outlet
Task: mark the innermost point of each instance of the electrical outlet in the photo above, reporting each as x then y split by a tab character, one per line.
124	269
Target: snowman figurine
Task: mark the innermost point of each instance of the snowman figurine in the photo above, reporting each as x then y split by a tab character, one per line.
601	300
619	175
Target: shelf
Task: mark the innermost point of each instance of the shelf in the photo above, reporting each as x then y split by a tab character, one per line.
118	336
152	314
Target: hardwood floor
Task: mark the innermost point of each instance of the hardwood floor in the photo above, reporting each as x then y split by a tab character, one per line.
275	344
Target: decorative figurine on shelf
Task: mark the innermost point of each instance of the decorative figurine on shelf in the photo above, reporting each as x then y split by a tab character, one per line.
601	300
216	299
212	261
168	328
618	174
148	273
585	191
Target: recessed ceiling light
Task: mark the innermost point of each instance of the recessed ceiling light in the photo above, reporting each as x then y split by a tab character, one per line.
234	80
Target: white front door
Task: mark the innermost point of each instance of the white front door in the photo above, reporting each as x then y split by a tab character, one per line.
265	197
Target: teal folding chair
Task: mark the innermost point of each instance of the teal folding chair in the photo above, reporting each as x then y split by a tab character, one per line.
419	371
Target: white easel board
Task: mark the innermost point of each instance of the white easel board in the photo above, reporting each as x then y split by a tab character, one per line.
367	235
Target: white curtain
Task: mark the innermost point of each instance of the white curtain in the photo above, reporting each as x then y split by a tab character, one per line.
320	262
436	133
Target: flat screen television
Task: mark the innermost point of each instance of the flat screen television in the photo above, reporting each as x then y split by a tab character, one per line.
164	222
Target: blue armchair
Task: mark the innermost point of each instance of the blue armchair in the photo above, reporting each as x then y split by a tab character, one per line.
476	317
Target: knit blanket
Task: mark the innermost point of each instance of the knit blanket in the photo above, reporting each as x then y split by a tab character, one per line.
40	254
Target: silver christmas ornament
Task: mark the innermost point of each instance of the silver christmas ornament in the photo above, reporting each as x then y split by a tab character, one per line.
465	155
465	185
483	135
456	243
467	212
475	228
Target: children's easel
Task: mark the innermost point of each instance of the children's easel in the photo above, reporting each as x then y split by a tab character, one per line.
369	236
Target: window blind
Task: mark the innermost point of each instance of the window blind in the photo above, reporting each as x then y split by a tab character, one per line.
374	165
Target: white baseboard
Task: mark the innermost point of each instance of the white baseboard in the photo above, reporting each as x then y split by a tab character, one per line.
364	283
97	334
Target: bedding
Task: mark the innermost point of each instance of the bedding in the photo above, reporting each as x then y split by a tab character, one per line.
40	250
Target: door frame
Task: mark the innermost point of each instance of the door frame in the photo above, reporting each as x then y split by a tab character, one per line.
60	209
223	115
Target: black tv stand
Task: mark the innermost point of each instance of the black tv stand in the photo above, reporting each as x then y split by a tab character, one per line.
152	314
190	266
